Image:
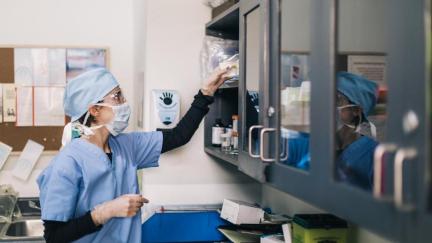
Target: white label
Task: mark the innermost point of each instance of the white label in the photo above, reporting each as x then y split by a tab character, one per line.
27	160
370	67
216	135
235	142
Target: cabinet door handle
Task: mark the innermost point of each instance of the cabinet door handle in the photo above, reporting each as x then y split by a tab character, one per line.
264	131
250	141
284	150
380	151
401	156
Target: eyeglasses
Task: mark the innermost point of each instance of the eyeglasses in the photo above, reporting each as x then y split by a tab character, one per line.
340	108
115	99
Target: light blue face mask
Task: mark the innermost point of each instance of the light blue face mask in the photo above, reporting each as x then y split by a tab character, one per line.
121	118
117	125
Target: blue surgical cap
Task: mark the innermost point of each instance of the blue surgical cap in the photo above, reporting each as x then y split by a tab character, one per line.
86	89
359	90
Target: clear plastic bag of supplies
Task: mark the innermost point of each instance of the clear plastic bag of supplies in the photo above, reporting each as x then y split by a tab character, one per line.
233	64
217	53
8	198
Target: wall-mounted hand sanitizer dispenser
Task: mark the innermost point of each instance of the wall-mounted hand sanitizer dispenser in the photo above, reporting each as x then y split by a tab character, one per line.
166	108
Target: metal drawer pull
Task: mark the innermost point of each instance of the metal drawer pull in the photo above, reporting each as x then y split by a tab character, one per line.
284	150
263	131
380	151
250	141
401	156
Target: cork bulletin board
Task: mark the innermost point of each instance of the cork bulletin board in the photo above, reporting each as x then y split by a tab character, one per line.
17	136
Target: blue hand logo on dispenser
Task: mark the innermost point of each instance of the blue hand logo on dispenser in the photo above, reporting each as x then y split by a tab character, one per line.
167	107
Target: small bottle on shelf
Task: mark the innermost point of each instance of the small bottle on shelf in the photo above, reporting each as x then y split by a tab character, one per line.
234	135
229	129
217	130
226	142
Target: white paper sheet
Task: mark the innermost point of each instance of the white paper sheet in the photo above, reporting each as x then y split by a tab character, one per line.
9	103
48	106
40	67
24	106
27	160
23	63
1	103
5	151
49	67
371	67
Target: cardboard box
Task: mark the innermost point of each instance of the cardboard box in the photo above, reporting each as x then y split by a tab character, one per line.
272	239
238	212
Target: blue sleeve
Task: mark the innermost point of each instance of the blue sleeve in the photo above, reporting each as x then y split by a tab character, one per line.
59	189
147	148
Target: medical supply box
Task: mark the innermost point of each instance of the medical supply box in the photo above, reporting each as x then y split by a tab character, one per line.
238	212
317	228
272	239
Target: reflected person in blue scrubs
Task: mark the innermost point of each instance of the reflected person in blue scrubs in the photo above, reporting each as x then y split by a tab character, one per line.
355	136
90	192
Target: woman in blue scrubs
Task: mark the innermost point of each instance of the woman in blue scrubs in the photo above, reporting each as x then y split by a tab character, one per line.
356	135
90	192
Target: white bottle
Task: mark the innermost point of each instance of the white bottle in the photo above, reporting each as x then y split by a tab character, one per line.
217	130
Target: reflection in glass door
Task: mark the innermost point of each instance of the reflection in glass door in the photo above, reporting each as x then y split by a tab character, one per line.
295	83
252	80
361	90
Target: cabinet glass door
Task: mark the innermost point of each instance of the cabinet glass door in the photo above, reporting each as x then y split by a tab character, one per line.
424	203
252	81
374	77
251	88
361	91
294	83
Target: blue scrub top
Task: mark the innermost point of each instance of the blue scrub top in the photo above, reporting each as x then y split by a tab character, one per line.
355	163
81	176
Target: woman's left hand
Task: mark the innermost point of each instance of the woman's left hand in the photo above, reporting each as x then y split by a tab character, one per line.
216	79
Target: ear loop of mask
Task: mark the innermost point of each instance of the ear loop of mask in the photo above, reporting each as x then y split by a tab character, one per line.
85	130
373	130
356	127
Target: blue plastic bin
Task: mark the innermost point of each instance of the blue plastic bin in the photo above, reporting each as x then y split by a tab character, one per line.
183	227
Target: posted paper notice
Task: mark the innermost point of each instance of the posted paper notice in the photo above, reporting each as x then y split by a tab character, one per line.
27	160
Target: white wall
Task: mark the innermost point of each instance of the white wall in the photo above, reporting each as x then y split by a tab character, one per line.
362	26
155	42
173	37
78	23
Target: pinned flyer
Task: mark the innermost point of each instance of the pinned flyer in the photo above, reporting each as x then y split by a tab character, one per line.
1	103
40	66
9	103
48	106
27	160
5	151
24	109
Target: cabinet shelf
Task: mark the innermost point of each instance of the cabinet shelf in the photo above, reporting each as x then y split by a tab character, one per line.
216	152
226	24
230	84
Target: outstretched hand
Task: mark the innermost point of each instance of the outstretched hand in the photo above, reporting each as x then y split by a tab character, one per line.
216	79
